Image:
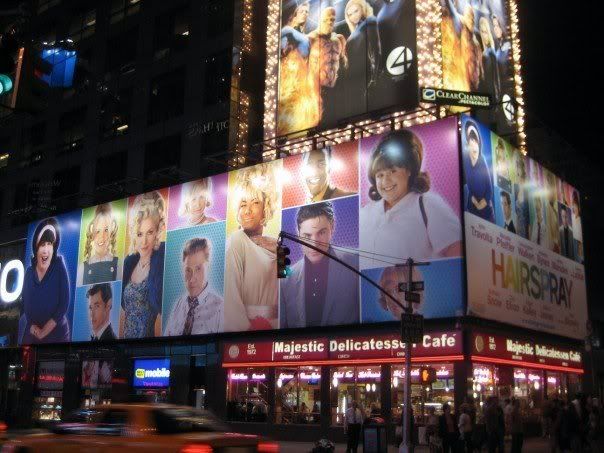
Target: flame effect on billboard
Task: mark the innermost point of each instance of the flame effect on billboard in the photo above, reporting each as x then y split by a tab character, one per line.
299	95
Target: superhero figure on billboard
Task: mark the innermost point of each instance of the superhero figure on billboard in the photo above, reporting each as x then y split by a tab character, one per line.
327	51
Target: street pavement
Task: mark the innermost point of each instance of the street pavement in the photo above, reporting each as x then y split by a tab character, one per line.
531	445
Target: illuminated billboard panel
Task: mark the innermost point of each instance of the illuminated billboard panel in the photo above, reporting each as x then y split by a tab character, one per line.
200	257
341	59
524	238
477	56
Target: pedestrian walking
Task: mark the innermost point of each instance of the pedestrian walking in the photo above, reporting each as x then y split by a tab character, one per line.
516	427
466	429
495	425
352	424
448	430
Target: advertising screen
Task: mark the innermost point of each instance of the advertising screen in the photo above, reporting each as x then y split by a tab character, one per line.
340	59
152	373
200	257
524	238
477	55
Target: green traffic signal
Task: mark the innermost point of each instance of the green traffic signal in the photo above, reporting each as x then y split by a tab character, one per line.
283	262
6	84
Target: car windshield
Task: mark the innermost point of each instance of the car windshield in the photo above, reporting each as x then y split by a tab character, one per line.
185	420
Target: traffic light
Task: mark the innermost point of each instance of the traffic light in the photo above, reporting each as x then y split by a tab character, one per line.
8	54
283	262
427	375
31	91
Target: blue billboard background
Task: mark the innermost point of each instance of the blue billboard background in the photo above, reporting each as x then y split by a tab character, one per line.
151	373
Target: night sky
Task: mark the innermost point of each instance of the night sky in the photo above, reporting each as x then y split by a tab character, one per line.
562	46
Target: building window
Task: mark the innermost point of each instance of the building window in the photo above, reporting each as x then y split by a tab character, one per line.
4	159
71	130
360	384
220	17
82	24
115	113
218	78
161	157
111	169
247	394
298	395
44	5
171	32
66	182
424	398
121	52
47	34
167	96
123	8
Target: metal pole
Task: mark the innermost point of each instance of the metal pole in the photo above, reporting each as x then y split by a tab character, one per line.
407	446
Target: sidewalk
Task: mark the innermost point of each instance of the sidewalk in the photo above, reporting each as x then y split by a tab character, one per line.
532	445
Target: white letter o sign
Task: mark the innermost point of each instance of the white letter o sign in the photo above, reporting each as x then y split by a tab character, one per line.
11	296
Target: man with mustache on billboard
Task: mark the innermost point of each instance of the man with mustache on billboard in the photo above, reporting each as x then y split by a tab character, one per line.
320	291
317	171
327	51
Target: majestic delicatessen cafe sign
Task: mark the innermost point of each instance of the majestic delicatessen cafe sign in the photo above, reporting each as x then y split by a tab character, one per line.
377	347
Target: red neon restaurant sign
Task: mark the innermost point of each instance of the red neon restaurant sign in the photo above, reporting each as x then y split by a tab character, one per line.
505	350
379	348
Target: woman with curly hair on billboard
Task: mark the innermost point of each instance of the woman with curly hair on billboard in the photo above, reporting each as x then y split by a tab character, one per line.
251	290
405	219
144	268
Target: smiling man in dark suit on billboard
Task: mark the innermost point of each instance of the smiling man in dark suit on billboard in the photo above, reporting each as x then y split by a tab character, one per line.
320	291
100	301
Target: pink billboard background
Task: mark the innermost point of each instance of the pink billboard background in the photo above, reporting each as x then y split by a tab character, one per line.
441	160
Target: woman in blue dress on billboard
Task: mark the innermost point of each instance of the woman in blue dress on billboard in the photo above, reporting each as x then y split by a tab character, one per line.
46	288
405	219
140	316
478	177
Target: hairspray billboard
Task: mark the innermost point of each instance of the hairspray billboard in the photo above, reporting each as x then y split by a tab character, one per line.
524	238
200	257
341	59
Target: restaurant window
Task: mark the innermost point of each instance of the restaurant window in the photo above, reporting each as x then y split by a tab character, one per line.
71	128
247	394
123	8
217	78
486	383
528	389
423	396
171	32
555	385
360	384
298	395
167	96
82	24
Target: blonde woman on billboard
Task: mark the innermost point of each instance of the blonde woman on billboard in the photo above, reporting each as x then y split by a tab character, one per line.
405	219
195	198
389	280
140	316
250	282
100	260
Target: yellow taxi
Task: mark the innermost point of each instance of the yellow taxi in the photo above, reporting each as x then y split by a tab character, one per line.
141	428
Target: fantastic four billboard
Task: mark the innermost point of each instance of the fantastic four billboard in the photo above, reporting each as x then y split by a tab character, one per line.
524	238
343	58
200	257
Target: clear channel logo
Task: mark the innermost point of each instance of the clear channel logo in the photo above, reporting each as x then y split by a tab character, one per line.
428	94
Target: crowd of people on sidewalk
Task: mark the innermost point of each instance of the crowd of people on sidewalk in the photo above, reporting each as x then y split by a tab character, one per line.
575	426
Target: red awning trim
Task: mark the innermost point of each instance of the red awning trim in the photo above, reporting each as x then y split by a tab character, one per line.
540	366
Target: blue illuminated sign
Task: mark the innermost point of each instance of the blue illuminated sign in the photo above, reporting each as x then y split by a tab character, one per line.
63	66
154	373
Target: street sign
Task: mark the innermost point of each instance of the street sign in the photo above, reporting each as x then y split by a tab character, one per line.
414	286
412	328
412	297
